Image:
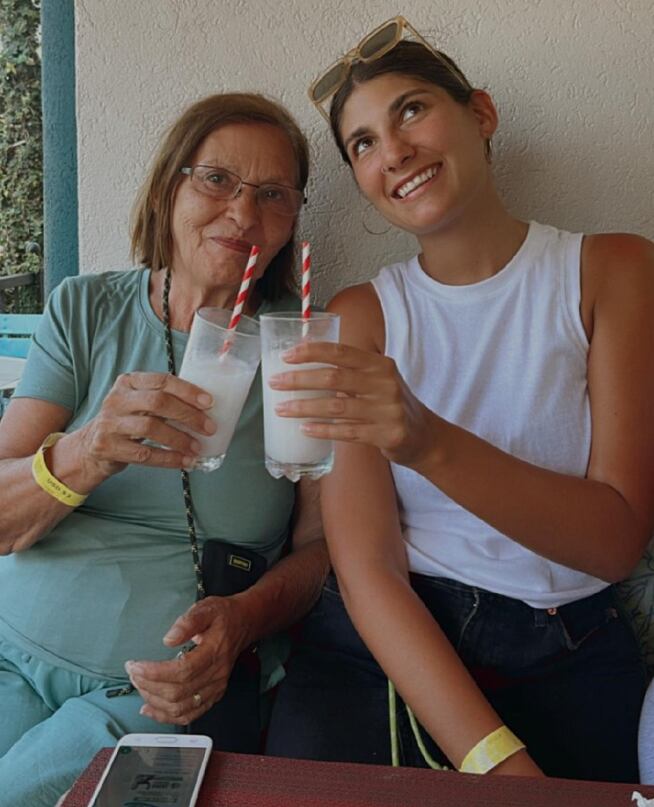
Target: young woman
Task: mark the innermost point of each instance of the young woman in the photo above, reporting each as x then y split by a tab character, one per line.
495	468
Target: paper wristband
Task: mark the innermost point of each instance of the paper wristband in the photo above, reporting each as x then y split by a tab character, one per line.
489	752
49	483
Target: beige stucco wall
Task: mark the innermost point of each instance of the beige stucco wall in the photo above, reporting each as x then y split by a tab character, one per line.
573	80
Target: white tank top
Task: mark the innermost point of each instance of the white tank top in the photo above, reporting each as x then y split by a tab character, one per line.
505	359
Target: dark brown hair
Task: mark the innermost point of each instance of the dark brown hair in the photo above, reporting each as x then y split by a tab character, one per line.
151	243
409	59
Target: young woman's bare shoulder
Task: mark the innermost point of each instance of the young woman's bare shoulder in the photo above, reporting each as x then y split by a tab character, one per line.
617	269
606	256
362	319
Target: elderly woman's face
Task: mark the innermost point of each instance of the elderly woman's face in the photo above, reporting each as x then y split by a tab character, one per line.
212	237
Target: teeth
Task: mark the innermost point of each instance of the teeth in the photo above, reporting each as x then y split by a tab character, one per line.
414	183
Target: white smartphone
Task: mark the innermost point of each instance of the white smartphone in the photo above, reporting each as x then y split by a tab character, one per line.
151	770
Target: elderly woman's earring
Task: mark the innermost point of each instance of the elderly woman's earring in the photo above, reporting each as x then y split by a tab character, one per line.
373	223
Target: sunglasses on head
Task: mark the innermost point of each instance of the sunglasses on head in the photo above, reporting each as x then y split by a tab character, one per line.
373	46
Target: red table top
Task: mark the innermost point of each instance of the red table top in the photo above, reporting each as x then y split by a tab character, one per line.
237	780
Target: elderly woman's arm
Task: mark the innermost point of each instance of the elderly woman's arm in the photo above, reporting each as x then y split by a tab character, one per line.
137	407
27	513
280	599
223	627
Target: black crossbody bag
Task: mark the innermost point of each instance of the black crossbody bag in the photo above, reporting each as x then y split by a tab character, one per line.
228	569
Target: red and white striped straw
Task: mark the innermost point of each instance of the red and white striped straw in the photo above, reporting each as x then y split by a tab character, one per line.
242	295
306	287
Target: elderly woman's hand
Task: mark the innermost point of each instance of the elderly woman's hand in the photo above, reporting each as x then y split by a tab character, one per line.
142	406
373	405
181	690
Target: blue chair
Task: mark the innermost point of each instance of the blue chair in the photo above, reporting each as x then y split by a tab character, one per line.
15	333
15	336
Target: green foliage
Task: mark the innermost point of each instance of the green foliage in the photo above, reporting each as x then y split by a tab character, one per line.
21	168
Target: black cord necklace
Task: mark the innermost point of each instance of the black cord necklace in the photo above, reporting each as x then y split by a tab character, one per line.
186	489
186	485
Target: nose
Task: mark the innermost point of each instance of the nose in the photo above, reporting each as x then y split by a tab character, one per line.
244	208
396	153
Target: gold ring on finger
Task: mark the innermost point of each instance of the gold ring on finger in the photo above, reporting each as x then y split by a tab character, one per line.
197	699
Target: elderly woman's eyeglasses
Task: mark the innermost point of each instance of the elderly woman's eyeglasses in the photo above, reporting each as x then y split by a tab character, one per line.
372	46
219	183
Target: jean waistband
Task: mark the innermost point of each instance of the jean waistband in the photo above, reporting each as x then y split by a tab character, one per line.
601	600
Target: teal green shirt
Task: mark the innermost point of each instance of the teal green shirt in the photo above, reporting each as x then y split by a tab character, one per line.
110	579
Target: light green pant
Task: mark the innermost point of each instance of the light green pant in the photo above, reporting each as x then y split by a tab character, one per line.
52	722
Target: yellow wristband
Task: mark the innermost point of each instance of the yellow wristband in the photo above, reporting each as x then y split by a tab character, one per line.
49	483
489	752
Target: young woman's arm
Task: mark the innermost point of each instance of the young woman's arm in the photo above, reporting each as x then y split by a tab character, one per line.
599	524
363	533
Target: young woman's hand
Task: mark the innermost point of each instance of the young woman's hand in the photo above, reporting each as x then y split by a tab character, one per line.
370	402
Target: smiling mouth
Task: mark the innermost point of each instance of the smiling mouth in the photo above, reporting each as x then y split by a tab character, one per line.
403	190
232	243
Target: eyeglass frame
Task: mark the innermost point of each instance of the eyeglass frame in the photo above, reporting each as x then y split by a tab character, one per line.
188	171
354	55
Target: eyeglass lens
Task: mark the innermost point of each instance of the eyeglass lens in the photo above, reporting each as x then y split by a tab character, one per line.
380	41
372	47
222	184
332	79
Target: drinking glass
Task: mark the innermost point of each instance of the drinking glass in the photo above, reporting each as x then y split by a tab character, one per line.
223	363
290	452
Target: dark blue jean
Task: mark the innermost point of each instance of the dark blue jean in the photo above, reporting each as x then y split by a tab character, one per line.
569	682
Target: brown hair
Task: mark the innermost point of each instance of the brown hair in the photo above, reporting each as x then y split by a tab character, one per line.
151	243
409	59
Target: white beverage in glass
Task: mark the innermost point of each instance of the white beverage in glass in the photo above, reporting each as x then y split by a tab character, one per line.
226	373
290	452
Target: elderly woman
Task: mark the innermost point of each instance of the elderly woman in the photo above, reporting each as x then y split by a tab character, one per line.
97	582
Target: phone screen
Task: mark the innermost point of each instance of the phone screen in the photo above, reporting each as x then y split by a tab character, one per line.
151	776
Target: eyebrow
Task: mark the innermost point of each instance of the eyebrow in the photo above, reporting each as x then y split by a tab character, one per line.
393	107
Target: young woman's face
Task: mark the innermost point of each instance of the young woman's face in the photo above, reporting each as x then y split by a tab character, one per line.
417	155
